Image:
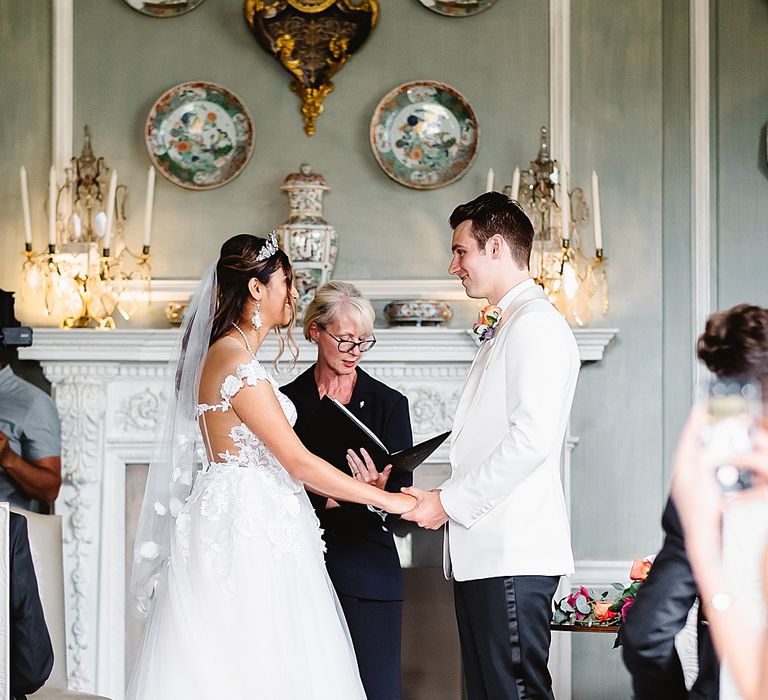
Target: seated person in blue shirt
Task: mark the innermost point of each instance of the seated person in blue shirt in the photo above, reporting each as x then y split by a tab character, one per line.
30	433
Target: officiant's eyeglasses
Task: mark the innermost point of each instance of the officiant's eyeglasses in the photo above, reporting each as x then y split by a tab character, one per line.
350	345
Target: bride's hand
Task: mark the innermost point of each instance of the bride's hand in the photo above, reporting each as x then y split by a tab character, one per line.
399	503
365	470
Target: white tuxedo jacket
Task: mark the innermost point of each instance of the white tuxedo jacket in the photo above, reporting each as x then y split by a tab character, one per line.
505	498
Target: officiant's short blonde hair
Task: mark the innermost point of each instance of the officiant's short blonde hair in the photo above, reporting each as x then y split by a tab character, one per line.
335	298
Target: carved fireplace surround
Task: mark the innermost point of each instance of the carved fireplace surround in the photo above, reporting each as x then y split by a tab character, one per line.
108	390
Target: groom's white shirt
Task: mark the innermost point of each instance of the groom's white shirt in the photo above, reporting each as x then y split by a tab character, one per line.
504	499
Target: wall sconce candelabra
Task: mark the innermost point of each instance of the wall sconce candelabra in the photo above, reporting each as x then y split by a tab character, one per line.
87	271
574	282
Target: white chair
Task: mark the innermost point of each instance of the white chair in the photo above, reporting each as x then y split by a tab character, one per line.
45	540
5	633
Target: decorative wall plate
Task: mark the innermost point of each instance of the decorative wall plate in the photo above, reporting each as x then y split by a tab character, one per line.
199	135
164	8
457	8
424	135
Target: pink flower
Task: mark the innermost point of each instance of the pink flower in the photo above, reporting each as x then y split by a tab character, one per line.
583	593
628	603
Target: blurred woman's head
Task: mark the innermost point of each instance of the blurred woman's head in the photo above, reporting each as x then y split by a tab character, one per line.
340	321
735	344
254	281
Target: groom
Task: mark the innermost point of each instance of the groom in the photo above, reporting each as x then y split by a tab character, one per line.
507	539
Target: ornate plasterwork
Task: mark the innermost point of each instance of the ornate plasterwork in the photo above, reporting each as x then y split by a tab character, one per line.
431	406
140	411
81	405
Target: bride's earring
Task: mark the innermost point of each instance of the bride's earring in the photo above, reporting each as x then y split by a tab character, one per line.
256	318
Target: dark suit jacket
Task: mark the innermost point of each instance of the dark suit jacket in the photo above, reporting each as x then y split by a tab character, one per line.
659	613
31	650
361	557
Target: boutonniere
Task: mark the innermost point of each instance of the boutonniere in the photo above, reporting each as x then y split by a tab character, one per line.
489	319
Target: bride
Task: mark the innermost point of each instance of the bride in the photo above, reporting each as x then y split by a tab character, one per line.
228	559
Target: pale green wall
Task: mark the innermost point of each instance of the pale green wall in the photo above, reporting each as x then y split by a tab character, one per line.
617	130
678	334
25	124
497	59
741	101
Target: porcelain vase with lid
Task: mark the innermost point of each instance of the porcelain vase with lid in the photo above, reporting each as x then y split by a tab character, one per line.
307	237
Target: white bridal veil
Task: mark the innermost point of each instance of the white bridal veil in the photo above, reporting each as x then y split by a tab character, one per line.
177	452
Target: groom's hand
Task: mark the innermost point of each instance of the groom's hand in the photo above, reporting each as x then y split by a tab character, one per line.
428	512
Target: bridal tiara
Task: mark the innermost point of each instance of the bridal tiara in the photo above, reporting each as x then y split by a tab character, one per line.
269	248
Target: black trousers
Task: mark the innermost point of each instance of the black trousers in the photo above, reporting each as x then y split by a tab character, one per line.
375	627
504	635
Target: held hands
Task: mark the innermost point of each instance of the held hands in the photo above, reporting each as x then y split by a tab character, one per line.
365	470
428	512
399	503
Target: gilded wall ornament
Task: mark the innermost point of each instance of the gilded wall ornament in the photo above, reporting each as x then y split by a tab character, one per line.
312	40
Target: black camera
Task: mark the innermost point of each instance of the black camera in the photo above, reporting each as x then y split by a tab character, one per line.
12	333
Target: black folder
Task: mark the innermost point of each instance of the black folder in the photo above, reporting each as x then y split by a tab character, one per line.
345	428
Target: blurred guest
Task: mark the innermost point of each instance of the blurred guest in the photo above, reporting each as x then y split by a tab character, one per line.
361	557
31	653
734	344
739	642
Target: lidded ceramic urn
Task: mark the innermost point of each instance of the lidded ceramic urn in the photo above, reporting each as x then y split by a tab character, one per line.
307	237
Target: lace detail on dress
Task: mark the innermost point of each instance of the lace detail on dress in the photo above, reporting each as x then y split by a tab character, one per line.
246	373
220	497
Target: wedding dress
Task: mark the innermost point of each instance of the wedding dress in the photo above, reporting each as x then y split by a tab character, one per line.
244	608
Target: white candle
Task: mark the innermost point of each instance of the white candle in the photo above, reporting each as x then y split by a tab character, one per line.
489	181
596	213
148	206
100	224
516	184
110	210
565	206
25	205
52	206
77	227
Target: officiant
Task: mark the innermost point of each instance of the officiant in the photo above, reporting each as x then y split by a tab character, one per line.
361	557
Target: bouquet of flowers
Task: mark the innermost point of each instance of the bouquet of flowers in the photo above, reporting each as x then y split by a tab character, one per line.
585	608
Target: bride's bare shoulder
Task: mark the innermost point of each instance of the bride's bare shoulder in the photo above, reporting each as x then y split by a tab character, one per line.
224	356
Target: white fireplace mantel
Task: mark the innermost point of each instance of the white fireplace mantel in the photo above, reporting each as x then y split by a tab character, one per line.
108	387
402	344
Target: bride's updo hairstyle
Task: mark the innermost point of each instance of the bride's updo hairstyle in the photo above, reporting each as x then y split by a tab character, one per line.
735	344
237	266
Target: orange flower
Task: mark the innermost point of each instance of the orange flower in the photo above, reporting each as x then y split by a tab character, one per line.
640	569
603	610
490	314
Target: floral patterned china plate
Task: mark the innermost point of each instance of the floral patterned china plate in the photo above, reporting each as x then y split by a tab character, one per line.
457	8
163	8
199	135
424	135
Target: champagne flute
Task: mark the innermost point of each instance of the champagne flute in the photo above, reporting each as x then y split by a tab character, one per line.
734	412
